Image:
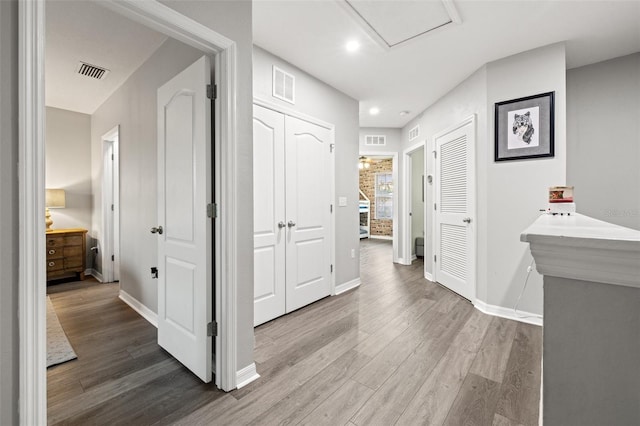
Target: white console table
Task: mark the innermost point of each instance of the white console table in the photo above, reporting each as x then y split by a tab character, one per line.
591	343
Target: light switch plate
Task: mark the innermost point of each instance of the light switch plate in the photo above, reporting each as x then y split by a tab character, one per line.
342	201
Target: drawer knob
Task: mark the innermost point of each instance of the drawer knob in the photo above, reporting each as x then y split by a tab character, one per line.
52	263
52	252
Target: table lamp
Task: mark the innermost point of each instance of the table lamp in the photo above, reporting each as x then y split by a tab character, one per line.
54	199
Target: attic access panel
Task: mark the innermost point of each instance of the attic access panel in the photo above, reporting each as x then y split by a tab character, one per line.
392	23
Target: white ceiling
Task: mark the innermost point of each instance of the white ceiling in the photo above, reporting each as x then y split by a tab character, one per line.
414	74
84	31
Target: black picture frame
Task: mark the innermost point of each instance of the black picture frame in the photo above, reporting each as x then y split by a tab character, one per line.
524	128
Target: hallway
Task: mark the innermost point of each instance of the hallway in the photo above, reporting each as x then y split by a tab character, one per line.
397	350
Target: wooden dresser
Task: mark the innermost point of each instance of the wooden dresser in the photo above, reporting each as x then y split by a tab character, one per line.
66	253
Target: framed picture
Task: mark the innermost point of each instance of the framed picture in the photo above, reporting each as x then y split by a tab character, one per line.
524	128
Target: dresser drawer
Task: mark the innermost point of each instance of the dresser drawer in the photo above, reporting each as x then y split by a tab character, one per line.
57	241
55	252
73	240
55	265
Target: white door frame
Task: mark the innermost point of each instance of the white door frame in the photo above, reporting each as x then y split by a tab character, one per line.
110	195
394	176
472	211
332	168
407	197
32	276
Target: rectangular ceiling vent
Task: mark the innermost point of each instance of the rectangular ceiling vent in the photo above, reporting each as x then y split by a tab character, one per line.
375	140
92	71
284	85
414	133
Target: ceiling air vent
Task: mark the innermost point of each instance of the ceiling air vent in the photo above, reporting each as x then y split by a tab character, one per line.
284	85
414	133
92	71
375	140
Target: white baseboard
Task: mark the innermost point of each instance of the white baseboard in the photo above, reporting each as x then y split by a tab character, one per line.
341	288
428	276
381	237
246	375
141	309
97	275
403	261
413	257
499	311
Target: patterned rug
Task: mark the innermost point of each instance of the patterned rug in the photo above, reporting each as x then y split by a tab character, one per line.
59	349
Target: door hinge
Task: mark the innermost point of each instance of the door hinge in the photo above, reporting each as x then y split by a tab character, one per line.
332	146
435	259
332	269
212	210
212	329
154	272
111	157
330	208
113	258
435	206
435	154
111	207
212	91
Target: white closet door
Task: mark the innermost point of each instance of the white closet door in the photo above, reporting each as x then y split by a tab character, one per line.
308	202
269	216
455	246
185	290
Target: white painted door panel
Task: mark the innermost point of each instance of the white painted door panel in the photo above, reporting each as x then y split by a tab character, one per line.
308	273
269	205
185	246
454	216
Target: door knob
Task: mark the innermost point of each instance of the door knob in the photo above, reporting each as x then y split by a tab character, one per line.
291	224
467	220
281	224
157	230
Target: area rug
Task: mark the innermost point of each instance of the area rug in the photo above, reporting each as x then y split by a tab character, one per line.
59	349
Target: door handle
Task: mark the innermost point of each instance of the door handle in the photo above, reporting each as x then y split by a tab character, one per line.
291	224
157	230
467	220
281	224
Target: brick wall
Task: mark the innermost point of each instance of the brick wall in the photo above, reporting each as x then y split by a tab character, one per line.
383	227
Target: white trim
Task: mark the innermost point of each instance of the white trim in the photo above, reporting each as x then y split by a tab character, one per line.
141	309
110	231
32	276
508	313
403	261
394	166
95	274
32	397
428	276
332	166
406	196
349	285
381	237
414	257
246	375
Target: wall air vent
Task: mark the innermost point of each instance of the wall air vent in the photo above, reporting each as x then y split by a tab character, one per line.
414	133
92	71
375	140
284	85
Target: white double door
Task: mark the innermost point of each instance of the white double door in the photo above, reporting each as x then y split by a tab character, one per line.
292	213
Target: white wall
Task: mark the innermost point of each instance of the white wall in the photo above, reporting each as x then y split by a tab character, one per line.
9	248
603	139
133	107
321	101
68	166
417	197
508	194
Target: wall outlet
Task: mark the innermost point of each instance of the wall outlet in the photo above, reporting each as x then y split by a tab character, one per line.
353	253
342	201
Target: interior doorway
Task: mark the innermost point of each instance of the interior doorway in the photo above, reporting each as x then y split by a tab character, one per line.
414	195
378	201
110	253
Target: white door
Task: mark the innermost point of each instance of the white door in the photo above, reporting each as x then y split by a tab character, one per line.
308	212
269	230
185	252
454	209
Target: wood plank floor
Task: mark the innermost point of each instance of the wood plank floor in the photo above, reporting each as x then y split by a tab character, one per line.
398	350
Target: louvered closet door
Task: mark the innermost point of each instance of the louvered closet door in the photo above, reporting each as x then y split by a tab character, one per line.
454	215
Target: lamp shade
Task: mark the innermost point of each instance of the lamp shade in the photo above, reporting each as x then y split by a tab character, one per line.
55	198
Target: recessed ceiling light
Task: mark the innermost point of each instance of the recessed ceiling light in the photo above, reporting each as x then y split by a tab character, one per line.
374	111
352	45
403	113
